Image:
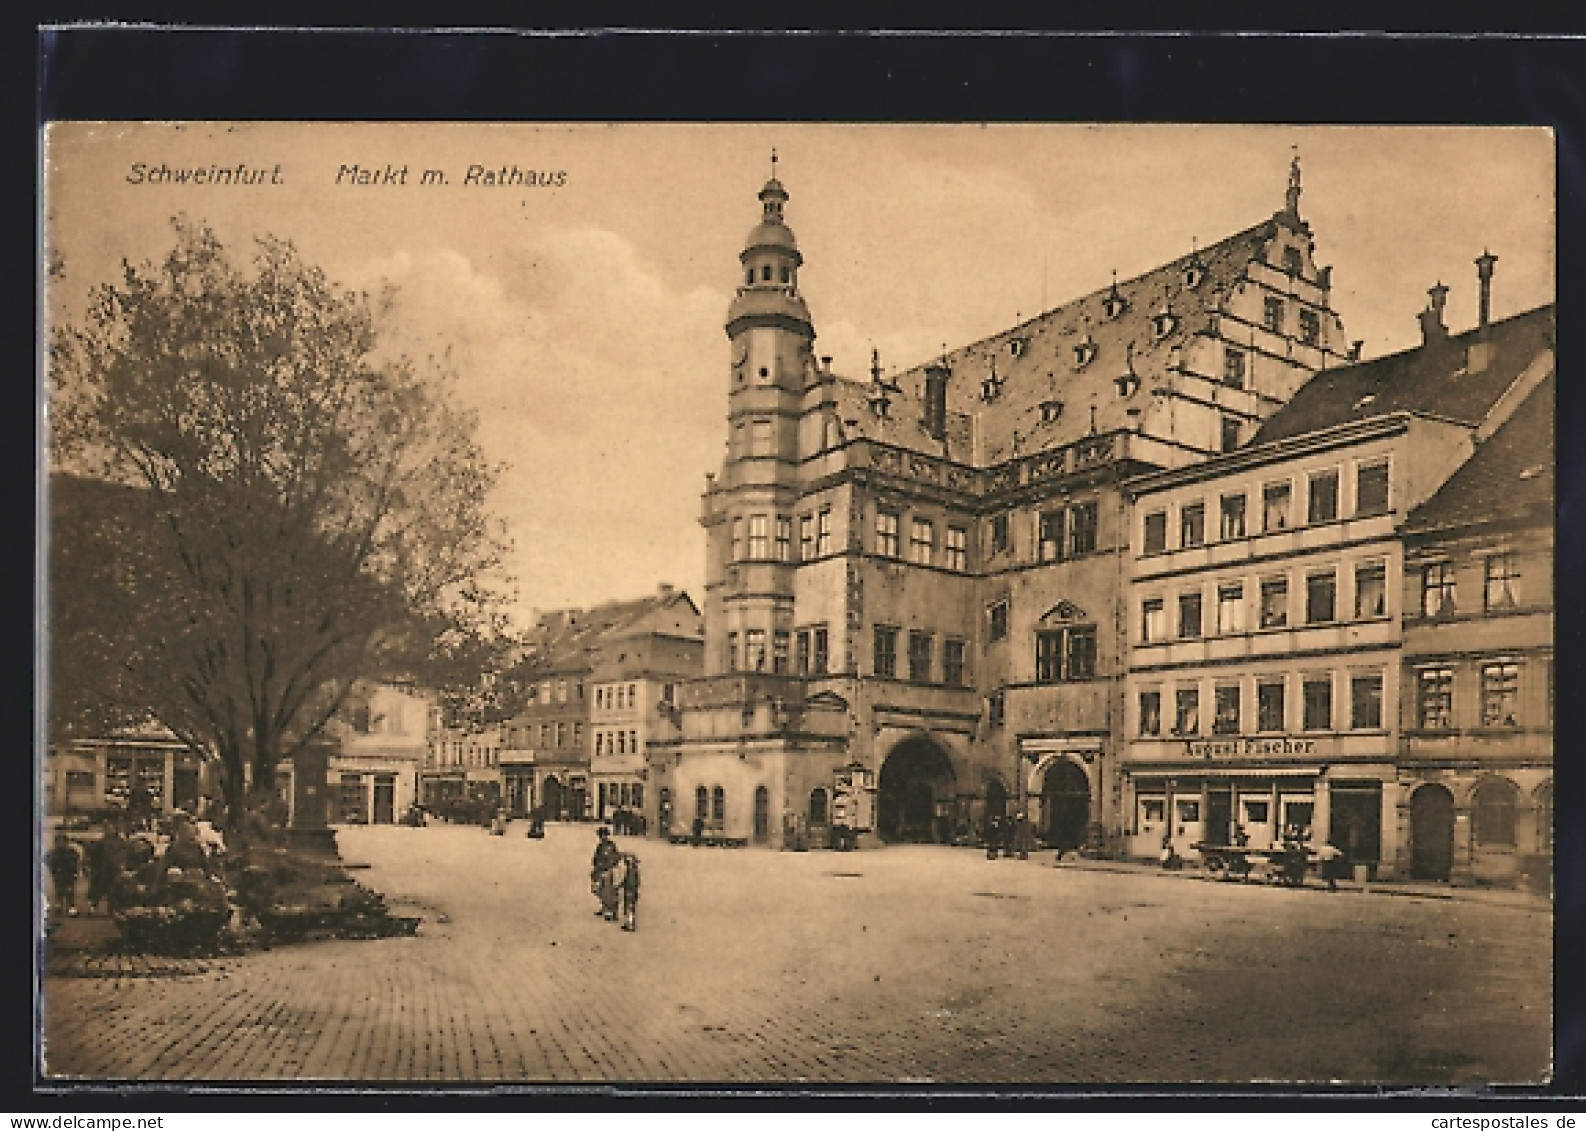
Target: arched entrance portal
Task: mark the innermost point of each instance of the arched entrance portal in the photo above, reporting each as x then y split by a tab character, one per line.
1065	805
552	799
915	793
1431	833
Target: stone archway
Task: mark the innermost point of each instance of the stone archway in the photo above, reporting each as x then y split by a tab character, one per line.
1065	805
916	785
1431	832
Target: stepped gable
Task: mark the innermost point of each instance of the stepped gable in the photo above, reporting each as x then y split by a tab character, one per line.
1035	363
1435	380
1509	477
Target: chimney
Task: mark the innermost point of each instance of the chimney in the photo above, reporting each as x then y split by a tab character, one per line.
935	409
1484	263
1433	328
666	589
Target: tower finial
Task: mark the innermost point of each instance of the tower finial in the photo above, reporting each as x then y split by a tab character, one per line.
773	162
1291	199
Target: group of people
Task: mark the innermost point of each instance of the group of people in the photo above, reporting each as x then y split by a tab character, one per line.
1009	836
617	893
627	822
131	850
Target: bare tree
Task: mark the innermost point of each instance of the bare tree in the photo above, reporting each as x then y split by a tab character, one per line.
292	511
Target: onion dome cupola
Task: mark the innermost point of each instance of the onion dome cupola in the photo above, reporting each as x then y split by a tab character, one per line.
768	290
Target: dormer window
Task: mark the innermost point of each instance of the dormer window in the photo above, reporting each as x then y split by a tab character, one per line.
1292	263
1194	275
1017	346
1163	323
1114	304
880	405
1128	385
991	388
1050	411
1084	353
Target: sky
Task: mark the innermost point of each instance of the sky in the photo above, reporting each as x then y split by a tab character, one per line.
583	313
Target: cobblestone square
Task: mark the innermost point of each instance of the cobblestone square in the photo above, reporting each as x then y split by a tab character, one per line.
904	964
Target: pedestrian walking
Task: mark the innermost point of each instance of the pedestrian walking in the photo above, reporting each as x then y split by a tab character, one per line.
630	892
602	881
65	862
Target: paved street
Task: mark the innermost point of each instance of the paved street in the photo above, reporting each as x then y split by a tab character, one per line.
901	964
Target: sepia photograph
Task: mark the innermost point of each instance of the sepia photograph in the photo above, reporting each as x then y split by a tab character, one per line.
1024	604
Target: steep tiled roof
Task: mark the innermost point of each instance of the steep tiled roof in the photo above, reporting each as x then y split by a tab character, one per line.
1510	476
1035	363
569	647
1432	379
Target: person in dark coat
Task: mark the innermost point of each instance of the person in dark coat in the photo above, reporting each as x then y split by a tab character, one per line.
630	892
602	865
65	862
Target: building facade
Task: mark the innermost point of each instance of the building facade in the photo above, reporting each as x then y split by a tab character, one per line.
381	744
912	609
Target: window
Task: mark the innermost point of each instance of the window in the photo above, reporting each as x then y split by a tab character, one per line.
1275	504
732	652
996	709
822	655
701	804
922	541
1269	705
997	621
1321	598
1272	314
1049	543
1291	260
817	806
1310	327
1234	368
957	548
1501	586
953	663
1365	701
1081	653
1048	657
1189	616
1153	620
1437	589
920	657
754	649
737	539
1189	812
1155	532
1230	609
784	538
886	652
1435	698
1494	805
779	652
1150	713
1323	504
1225	709
801	652
823	534
1371	590
999	533
718	805
759	537
1233	517
806	537
1187	711
1228	439
887	534
1319	703
1371	489
760	437
1192	525
561	733
1500	685
1082	529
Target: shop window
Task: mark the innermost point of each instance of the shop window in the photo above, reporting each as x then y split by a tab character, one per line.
1321	598
1323	498
1225	704
1192	526
817	806
1365	702
759	537
1371	489
1501	582
1233	517
1494	804
1437	590
823	534
957	547
887	534
1189	616
1371	590
1150	713
920	649
1155	532
1269	705
1153	810
1188	811
784	538
953	663
1153	620
886	652
1298	817
1276	499
1049	544
1230	609
1234	368
1082	529
922	541
1186	711
1318	704
997	621
1257	812
1500	687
